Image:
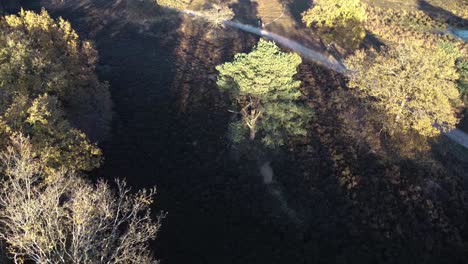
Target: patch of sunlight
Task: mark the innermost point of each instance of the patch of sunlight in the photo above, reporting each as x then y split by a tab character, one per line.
457	7
272	11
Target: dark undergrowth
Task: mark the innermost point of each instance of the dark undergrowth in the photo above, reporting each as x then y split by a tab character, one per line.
358	200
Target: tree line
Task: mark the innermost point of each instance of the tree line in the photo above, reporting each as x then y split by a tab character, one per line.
53	109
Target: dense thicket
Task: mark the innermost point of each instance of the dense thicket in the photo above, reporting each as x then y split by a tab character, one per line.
357	200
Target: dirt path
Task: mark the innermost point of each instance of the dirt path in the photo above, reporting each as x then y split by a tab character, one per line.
277	18
273	11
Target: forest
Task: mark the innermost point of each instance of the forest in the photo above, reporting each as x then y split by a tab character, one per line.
233	131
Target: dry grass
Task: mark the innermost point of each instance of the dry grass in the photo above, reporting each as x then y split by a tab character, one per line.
271	11
393	4
457	7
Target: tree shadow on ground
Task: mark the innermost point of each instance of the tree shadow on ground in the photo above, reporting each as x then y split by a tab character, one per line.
297	7
371	41
245	11
14	6
463	125
438	13
170	129
381	206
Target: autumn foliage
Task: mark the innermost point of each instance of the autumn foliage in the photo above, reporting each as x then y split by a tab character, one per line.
409	89
50	91
340	21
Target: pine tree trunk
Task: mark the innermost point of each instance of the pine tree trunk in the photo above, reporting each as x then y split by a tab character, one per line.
252	134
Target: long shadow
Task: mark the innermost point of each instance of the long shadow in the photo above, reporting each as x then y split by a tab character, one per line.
436	12
378	207
372	41
245	11
14	6
463	125
297	7
10	6
170	128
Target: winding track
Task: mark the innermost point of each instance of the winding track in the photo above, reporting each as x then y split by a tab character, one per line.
308	53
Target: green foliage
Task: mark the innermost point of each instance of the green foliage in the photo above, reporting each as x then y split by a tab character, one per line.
51	134
61	144
412	88
462	66
338	20
264	72
262	84
41	57
237	132
283	118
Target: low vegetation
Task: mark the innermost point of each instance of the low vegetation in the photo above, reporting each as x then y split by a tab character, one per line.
364	155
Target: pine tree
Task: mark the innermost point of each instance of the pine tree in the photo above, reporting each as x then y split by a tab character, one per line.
263	87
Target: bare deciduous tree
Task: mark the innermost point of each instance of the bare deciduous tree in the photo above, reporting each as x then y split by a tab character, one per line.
218	14
62	218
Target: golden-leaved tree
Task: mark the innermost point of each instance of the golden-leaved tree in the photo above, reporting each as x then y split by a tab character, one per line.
338	20
411	88
177	4
49	91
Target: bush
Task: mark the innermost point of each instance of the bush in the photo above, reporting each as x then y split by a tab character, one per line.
338	20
